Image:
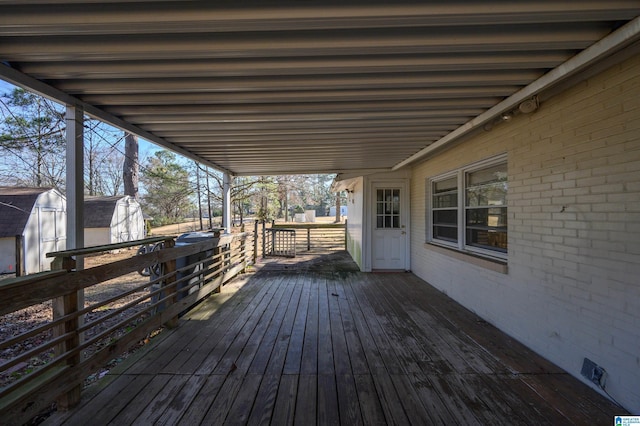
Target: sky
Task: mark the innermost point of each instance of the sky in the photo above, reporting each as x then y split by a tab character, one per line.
5	87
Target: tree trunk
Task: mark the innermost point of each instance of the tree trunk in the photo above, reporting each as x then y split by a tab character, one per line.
286	204
92	189
337	207
130	167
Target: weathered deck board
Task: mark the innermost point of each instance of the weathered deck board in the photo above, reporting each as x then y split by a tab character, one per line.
313	345
195	412
285	404
306	410
309	361
294	349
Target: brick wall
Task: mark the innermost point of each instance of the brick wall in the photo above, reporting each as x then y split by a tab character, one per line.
573	284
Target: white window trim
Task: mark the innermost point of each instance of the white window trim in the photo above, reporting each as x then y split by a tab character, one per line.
461	244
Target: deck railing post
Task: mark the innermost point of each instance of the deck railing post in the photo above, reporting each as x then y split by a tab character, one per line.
308	239
168	270
19	256
346	242
255	242
243	254
61	307
264	238
274	245
217	258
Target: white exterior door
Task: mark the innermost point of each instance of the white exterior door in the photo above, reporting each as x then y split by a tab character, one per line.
389	236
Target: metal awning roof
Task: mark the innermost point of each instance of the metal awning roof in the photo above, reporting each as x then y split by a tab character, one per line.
298	87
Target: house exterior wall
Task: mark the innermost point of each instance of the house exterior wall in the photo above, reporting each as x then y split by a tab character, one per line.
355	202
571	288
360	205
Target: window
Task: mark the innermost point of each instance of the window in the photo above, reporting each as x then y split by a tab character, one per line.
486	208
468	208
445	209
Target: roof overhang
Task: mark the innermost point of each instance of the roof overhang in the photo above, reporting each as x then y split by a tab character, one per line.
290	88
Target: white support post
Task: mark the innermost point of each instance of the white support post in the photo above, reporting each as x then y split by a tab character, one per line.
70	304
226	202
75	179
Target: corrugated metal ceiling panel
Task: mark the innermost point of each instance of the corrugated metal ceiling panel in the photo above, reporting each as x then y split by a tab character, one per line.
280	87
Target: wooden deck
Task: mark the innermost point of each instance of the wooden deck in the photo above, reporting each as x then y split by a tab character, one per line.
316	342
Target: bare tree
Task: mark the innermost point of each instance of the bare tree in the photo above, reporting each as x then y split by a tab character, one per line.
103	158
32	133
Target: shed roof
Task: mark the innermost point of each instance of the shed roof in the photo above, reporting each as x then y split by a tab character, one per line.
16	205
98	211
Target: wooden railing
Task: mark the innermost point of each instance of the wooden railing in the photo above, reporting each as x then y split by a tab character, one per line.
279	242
316	237
82	337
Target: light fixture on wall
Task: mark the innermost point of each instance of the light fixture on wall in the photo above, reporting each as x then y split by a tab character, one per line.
529	105
525	107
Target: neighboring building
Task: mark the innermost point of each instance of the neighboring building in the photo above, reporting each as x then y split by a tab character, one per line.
38	217
533	224
343	211
109	220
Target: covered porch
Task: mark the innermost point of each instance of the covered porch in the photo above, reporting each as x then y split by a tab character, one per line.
546	90
312	340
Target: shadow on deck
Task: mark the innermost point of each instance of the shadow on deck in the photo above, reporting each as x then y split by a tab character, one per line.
312	340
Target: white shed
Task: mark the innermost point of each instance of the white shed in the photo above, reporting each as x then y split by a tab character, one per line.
109	220
38	217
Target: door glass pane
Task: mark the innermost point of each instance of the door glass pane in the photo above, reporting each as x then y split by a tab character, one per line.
387	202
396	201
388	208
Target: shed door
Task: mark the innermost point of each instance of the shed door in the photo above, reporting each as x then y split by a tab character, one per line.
389	235
53	237
124	222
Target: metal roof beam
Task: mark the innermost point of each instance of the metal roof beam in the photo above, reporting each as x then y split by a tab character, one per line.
295	66
274	45
300	96
309	107
310	83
